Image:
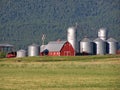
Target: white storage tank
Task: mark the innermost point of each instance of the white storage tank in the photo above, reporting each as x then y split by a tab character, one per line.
112	46
21	53
71	36
99	46
86	46
102	34
33	50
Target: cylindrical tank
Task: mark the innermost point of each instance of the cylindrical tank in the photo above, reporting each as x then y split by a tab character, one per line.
112	46
86	46
71	36
21	53
102	34
33	50
99	46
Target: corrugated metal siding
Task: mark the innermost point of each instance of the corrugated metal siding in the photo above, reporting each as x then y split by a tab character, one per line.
86	46
100	46
112	46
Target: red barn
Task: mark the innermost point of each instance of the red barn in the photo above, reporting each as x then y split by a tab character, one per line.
58	48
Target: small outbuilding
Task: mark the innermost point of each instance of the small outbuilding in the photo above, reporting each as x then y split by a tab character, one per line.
6	47
58	48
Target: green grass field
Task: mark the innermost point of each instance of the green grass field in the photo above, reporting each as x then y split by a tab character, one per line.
61	73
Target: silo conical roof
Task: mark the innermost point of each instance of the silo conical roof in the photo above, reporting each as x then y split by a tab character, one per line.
98	40
86	40
111	40
21	50
33	45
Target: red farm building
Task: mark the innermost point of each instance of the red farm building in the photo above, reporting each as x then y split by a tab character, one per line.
57	48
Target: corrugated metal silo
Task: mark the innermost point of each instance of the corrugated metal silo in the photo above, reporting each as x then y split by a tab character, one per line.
102	34
99	46
71	36
86	46
33	50
21	53
112	46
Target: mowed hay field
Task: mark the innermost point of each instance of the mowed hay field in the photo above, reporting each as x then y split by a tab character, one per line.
61	73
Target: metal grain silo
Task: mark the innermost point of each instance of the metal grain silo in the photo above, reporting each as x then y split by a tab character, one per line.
99	46
86	46
21	53
112	46
71	36
33	50
102	34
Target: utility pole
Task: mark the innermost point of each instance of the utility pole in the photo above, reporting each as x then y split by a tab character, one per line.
43	39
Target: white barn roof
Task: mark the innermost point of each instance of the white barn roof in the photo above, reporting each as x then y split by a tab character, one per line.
54	45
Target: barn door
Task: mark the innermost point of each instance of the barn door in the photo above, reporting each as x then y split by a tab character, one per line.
67	53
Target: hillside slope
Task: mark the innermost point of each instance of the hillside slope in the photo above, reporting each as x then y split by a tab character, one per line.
22	22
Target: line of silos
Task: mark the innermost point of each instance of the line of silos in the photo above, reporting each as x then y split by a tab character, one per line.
33	50
98	46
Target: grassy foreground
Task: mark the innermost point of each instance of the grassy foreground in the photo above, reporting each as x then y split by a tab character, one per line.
61	73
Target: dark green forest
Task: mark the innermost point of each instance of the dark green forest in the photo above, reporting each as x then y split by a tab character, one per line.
22	22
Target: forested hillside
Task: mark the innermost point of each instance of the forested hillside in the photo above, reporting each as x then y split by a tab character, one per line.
22	22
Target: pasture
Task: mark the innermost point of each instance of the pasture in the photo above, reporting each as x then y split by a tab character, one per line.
61	73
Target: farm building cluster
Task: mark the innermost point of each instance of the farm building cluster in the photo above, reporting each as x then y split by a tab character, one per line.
100	46
71	47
